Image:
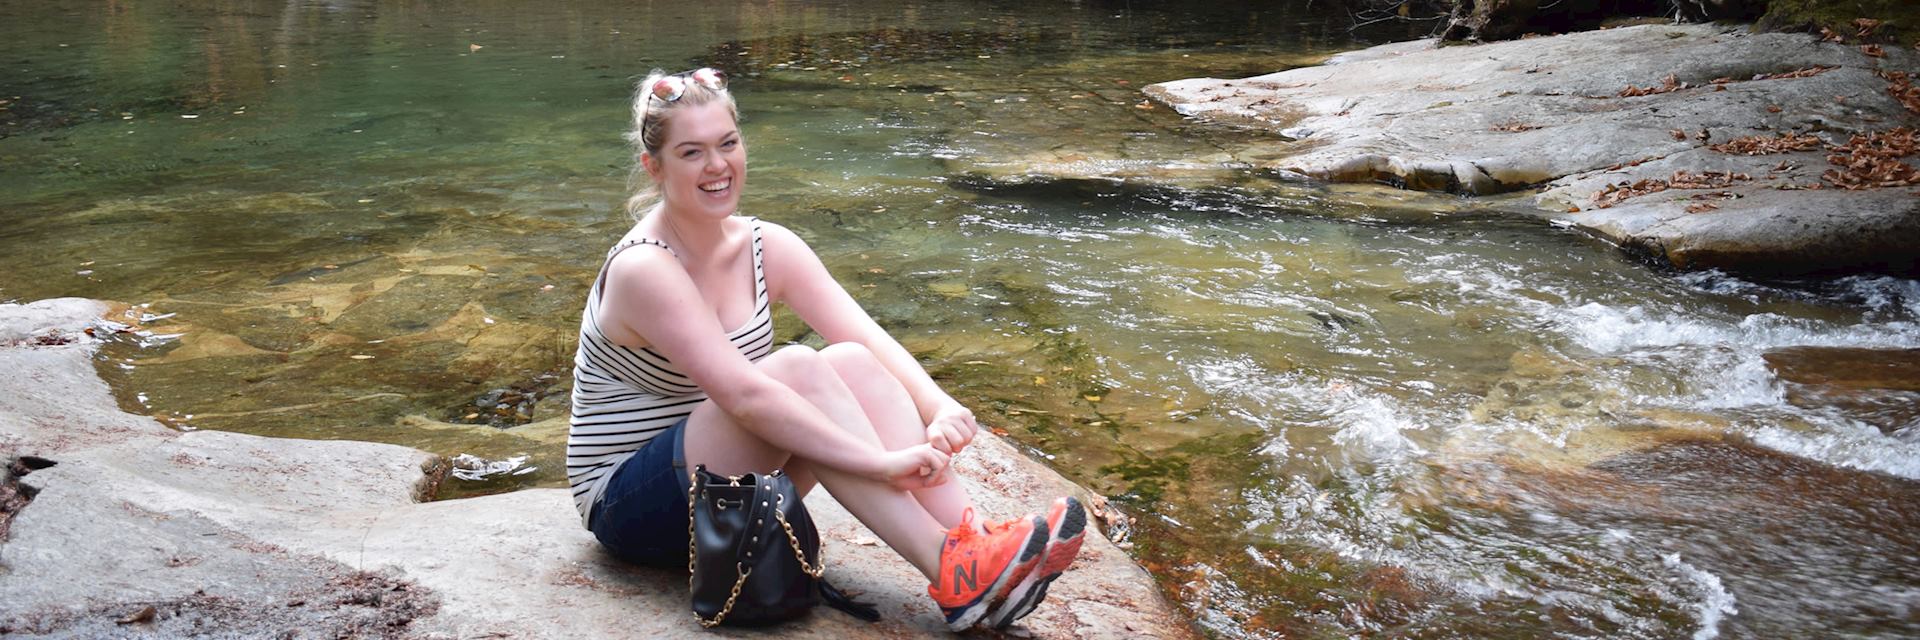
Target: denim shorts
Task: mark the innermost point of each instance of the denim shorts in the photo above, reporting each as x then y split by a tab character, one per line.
642	514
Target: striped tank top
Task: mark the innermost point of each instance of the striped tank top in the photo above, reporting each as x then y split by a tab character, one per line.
623	397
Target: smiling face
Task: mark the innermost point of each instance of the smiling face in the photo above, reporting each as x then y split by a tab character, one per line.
702	165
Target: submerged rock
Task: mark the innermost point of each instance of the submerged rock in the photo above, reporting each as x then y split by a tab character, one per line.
1596	118
1796	547
1880	387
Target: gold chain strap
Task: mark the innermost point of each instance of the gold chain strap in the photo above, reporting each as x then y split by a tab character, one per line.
692	484
715	622
819	568
814	571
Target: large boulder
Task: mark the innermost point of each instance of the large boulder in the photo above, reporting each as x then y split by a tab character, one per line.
123	527
1583	113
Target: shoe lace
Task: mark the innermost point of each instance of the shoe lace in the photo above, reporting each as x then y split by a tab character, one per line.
964	530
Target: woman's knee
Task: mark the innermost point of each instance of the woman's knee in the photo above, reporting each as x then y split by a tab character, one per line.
853	361
800	368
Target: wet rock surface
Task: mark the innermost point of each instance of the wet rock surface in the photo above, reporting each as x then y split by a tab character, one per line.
1588	118
1696	502
216	534
1880	387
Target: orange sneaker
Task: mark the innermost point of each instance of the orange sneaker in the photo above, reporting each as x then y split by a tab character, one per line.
1066	524
977	569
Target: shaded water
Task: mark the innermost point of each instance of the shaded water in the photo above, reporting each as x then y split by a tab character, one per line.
1332	411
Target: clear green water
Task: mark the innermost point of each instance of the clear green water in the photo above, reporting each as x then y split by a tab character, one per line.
1332	411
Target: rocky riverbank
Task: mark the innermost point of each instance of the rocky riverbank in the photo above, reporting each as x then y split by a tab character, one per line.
112	525
1701	146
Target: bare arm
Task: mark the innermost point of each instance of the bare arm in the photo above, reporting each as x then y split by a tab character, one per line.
805	285
650	293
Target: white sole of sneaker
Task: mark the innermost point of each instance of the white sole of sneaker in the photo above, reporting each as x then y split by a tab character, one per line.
1031	591
1036	546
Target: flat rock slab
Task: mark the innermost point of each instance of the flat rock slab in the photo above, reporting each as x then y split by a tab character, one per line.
140	530
1548	113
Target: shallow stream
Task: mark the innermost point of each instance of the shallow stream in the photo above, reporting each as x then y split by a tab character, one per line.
1330	411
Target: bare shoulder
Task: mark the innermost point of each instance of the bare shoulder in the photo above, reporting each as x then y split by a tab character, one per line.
644	261
639	274
791	264
773	234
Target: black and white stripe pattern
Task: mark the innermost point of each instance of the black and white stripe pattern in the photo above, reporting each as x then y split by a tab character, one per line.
623	397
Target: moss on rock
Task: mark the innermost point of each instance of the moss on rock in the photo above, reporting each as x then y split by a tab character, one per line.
1899	20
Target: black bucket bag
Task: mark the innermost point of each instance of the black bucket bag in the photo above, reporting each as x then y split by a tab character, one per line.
754	553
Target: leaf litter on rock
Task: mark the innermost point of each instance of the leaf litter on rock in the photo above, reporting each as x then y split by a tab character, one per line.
1872	160
1786	142
1900	87
1800	73
1682	179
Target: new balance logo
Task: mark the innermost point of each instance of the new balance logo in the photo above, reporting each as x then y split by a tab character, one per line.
968	573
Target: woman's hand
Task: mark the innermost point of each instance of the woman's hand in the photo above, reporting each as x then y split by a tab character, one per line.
952	428
913	468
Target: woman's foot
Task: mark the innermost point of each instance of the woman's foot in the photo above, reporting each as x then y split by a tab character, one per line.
977	570
1066	525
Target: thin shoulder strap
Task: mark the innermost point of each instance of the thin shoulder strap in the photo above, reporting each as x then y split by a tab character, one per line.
623	247
759	273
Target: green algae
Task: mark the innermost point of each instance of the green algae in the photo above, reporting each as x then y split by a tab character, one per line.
1896	18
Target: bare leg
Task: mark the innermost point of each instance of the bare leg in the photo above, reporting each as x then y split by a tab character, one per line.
896	420
714	439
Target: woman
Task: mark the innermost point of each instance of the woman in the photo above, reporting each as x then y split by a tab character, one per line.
676	367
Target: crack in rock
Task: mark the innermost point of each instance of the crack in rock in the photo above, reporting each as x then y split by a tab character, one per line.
14	494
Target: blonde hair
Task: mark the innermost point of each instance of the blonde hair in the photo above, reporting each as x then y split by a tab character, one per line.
651	112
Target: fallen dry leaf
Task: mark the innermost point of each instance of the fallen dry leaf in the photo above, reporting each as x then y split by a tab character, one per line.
1801	73
144	614
1763	145
1667	84
1873	51
1872	160
1900	87
1865	27
1682	179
